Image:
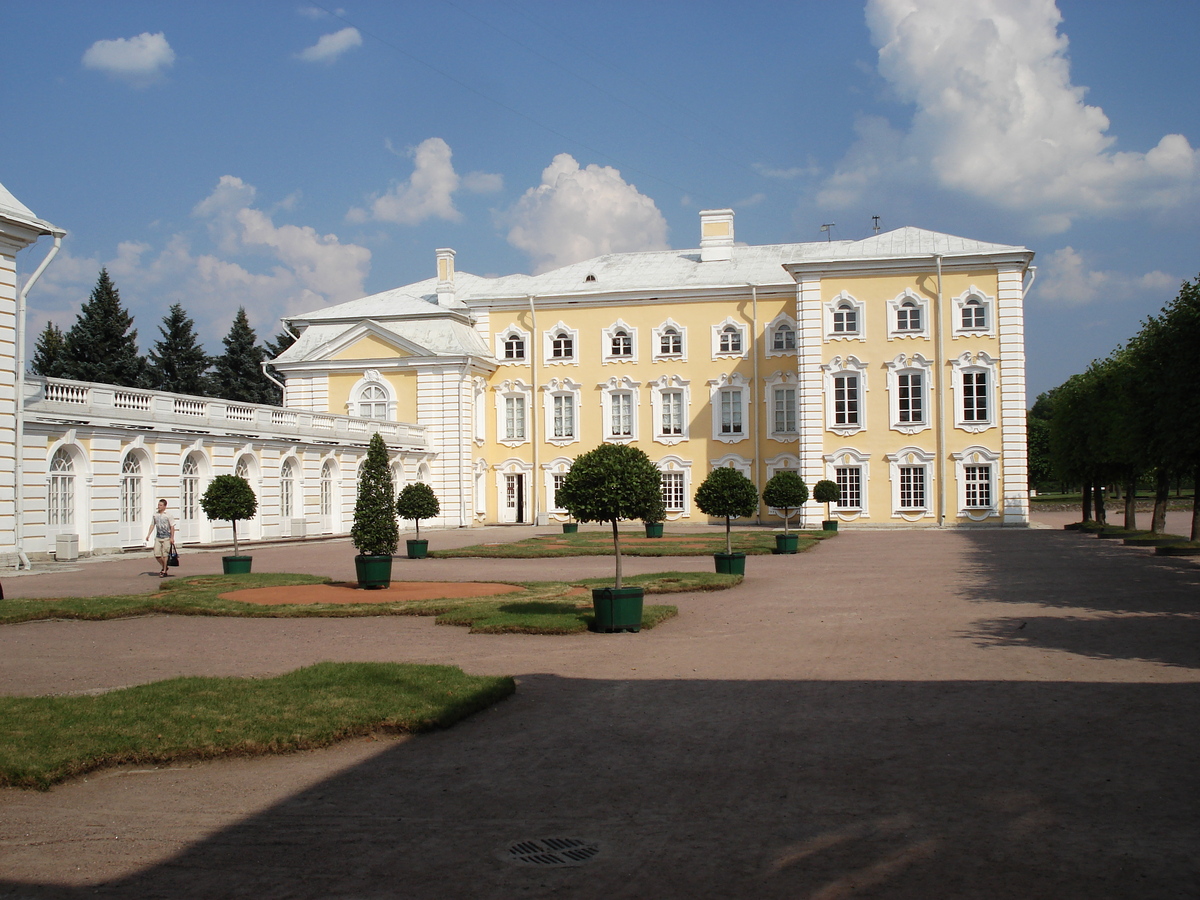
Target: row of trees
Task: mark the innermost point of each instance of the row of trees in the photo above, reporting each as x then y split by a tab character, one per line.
102	346
1132	416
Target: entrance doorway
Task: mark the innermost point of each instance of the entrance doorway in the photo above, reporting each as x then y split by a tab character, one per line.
512	509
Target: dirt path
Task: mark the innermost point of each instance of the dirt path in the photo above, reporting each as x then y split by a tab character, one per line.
902	714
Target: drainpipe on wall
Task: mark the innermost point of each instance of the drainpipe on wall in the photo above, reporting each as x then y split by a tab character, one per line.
756	471
19	418
271	378
533	393
939	398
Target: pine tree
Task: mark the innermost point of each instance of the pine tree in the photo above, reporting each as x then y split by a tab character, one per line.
177	363
237	373
272	349
48	353
101	345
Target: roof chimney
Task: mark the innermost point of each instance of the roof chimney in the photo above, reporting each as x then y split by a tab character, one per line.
716	234
445	277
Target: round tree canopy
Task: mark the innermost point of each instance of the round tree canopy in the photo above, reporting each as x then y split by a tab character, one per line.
826	492
785	490
229	498
417	501
727	493
611	483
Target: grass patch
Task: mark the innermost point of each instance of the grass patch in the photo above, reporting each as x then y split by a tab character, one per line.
1149	539
633	543
45	740
534	617
670	582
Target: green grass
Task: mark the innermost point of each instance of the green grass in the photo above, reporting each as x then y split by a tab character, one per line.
1149	539
633	543
538	617
44	740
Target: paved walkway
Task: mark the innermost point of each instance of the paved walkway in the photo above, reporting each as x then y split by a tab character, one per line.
908	714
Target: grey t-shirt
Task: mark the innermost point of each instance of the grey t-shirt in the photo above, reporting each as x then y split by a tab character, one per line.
162	526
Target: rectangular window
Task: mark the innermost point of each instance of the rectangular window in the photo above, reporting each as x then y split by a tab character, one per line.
849	480
622	343
672	412
562	347
975	406
912	487
672	491
558	482
622	415
514	347
514	418
784	338
564	416
911	399
845	400
785	410
845	320
731	412
978	486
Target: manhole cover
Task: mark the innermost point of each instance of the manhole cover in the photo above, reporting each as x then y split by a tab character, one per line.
552	851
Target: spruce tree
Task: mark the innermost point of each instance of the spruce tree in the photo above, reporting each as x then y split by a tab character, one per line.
273	349
48	353
177	363
102	344
237	373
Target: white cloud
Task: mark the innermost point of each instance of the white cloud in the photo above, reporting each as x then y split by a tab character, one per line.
429	193
1066	279
138	60
997	117
575	214
330	46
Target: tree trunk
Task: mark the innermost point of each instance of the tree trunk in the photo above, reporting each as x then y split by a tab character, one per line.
233	522
1131	504
1087	501
1101	513
617	552
1162	493
728	542
1196	504
417	522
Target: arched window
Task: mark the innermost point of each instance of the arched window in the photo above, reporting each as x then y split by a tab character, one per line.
189	492
731	339
372	402
845	318
514	346
622	343
287	489
784	337
61	500
908	316
974	315
242	469
327	490
562	345
670	342
131	490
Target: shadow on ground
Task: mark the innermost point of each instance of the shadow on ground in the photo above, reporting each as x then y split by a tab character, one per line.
793	789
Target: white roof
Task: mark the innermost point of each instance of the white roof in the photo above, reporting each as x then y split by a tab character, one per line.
13	209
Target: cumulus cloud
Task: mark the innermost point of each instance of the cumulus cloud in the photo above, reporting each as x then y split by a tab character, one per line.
998	118
1067	279
575	214
137	60
330	46
429	193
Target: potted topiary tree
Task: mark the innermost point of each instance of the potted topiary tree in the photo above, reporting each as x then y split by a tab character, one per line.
608	484
727	493
375	532
230	498
417	501
827	492
785	491
653	518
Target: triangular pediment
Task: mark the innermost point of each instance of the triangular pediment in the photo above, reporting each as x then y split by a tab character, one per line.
368	340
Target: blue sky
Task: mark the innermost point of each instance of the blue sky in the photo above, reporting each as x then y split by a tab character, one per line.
283	156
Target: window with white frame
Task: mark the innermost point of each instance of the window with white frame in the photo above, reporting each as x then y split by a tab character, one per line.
669	408
781	336
783	410
975	468
912	483
977	485
974	382
909	385
479	409
514	418
849	482
563	416
327	485
561	411
844	318
620	343
621	415
672	491
512	411
189	491
845	395
730	406
670	421
561	345
372	402
909	316
619	405
730	397
554	473
61	493
514	347
371	397
912	487
287	489
557	480
973	313
131	490
675	474
728	340
849	469
669	341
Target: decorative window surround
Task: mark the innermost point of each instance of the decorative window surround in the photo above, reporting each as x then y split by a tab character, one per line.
904	398
785	462
733	461
978	498
730	399
555	393
845	395
969	308
367	390
905	305
845	319
973	381
665	344
565	341
680	471
479	409
902	465
619	337
512	340
553	471
729	340
479	470
848	458
783	412
614	394
663	410
782	336
513	396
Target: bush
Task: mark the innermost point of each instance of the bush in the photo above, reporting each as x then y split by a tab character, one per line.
827	492
375	532
417	501
229	498
785	491
727	493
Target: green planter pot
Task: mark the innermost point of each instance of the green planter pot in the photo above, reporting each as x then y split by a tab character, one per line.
236	565
654	530
829	524
617	609
374	572
787	543
418	549
570	527
730	563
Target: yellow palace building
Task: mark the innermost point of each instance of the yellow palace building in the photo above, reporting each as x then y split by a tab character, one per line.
892	365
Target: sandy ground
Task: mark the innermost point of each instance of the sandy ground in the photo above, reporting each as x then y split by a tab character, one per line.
899	714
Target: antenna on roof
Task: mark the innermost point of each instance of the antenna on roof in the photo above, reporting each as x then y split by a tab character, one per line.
875	219
828	233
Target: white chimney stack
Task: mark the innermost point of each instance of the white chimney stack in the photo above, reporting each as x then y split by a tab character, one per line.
445	277
716	234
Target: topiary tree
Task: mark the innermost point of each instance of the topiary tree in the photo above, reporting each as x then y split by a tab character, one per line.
729	494
375	532
229	498
608	484
417	501
785	491
656	512
826	491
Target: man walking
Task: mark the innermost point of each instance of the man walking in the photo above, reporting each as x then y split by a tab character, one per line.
162	527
